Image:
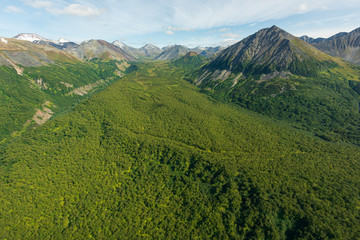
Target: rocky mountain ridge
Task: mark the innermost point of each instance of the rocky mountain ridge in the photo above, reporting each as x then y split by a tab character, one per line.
344	45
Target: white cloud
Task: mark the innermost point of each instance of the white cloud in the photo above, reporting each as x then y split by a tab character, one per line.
228	42
220	30
13	9
175	29
39	3
230	35
224	29
209	14
168	32
303	7
58	7
80	10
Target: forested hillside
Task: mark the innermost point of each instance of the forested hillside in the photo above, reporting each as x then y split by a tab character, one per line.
38	93
152	157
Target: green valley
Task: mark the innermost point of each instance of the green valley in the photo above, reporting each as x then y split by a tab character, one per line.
151	157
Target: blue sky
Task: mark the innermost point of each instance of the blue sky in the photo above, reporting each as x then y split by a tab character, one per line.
164	22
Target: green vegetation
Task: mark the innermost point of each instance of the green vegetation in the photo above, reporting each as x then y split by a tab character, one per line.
152	158
189	62
52	84
326	104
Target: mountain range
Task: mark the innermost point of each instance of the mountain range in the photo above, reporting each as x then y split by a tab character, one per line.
148	51
344	45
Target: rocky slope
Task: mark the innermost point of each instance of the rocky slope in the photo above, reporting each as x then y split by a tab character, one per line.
100	49
172	52
131	51
20	53
268	50
150	51
344	45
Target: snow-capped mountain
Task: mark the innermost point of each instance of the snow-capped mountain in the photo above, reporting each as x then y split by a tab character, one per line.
35	38
63	40
31	37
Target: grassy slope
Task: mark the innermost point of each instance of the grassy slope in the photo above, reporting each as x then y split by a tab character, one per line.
150	157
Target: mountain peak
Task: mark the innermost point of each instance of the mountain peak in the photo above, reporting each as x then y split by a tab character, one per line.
276	30
173	52
31	37
274	27
149	46
150	50
268	50
63	40
119	44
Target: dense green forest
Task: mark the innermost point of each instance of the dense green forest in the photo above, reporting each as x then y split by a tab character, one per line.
150	157
58	87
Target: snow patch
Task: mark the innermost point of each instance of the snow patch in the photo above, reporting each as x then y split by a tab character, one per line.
63	40
3	40
119	44
31	37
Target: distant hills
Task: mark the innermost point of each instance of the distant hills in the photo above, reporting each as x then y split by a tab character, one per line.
148	51
100	49
88	49
173	52
344	45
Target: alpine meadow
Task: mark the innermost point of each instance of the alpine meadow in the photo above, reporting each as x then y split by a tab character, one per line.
258	138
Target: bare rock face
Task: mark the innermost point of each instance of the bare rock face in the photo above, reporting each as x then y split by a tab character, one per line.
100	49
150	50
173	52
20	53
131	51
344	45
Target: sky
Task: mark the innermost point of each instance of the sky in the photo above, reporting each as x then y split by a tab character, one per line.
166	22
